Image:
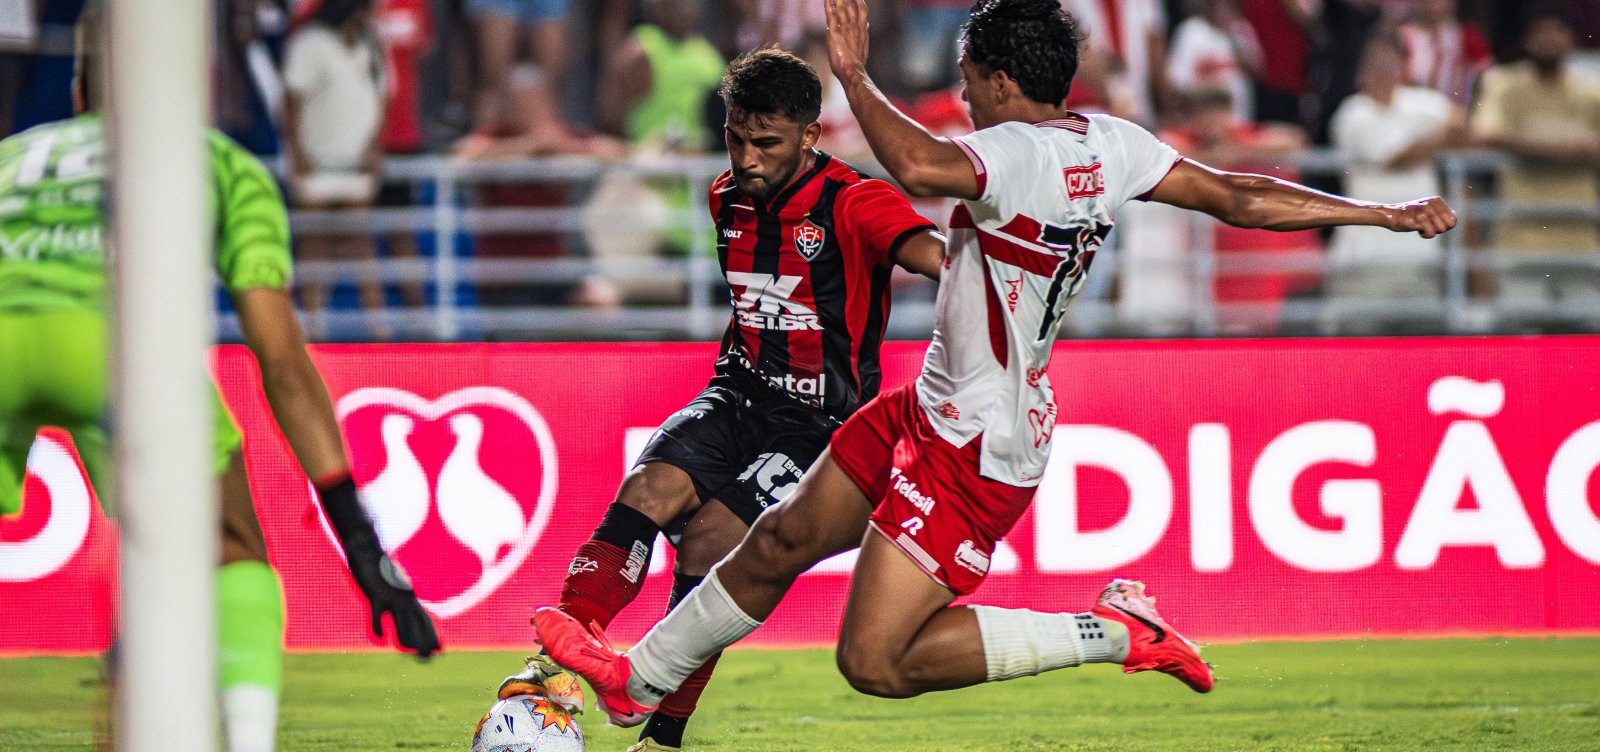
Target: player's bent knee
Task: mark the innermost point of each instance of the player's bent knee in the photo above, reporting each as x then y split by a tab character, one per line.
873	672
661	492
783	546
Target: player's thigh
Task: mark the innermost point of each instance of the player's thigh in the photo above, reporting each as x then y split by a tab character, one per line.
778	444
76	379
707	537
826	515
661	491
891	599
694	453
54	365
242	539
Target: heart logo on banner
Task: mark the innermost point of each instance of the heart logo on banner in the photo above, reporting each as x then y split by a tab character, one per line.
54	522
459	487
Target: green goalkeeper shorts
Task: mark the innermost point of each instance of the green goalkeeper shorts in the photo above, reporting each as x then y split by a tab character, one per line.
54	375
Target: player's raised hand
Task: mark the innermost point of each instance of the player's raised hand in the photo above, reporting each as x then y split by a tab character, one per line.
1426	216
847	36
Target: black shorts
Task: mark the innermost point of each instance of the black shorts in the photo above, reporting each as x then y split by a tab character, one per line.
742	447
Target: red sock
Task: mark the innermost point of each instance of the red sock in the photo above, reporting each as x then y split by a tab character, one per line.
608	571
597	586
681	704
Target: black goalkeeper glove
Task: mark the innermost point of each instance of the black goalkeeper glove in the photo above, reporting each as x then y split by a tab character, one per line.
380	579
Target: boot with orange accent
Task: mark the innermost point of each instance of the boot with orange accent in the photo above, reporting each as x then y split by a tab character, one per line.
543	676
586	651
1153	645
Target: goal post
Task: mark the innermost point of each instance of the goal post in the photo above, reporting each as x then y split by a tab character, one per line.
157	76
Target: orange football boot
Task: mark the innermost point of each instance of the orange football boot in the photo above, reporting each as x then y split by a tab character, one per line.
1153	645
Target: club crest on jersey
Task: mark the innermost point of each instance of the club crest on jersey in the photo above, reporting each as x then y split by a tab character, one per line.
808	239
1085	182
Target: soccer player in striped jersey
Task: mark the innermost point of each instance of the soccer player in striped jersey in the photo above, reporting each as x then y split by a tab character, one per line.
807	244
53	267
926	478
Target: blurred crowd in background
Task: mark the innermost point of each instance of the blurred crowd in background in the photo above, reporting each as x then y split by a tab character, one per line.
361	104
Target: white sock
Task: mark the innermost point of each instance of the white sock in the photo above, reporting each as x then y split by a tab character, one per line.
250	718
699	627
1018	642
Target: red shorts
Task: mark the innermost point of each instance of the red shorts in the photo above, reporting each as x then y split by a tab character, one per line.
931	501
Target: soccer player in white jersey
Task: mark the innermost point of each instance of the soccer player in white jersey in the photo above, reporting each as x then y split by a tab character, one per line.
926	479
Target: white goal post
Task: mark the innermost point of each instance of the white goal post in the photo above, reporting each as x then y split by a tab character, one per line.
166	673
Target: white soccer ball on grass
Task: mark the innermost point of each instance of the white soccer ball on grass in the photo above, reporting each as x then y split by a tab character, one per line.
527	723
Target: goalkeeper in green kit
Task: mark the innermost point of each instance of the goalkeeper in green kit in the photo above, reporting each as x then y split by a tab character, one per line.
53	325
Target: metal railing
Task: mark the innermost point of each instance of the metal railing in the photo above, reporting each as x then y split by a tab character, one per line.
453	219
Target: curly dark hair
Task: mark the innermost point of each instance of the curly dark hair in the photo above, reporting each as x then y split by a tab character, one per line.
770	81
1034	41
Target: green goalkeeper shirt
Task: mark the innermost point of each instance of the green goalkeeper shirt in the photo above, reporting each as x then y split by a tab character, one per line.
53	206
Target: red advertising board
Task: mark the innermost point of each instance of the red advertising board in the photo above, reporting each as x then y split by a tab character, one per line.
1268	488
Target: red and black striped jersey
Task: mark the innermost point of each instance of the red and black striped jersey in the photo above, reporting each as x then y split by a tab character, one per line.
809	272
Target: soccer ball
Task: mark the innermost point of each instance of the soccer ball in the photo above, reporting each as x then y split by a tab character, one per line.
527	723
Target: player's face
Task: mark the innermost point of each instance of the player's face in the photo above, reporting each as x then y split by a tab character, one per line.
978	92
765	151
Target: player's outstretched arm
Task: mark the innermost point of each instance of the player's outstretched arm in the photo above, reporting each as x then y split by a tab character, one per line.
923	164
1258	201
304	412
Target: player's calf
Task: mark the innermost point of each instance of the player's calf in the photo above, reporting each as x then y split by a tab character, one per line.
608	570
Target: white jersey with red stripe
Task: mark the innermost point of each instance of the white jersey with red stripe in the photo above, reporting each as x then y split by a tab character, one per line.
1015	257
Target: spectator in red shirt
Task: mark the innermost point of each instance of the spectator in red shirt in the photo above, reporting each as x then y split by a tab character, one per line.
405	29
1284	27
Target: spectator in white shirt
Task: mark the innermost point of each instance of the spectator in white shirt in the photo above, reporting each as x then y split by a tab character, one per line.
333	112
1388	133
1216	48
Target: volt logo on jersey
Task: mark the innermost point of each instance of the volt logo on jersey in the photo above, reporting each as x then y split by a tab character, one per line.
808	239
765	302
459	487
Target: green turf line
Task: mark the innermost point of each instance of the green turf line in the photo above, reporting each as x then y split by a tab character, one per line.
1479	694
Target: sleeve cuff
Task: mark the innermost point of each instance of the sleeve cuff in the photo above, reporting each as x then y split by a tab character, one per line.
1147	194
978	169
894	247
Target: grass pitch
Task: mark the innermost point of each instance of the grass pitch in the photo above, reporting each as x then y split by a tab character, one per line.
1485	694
